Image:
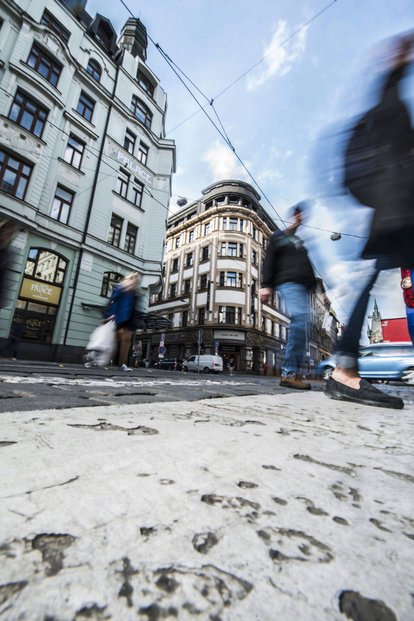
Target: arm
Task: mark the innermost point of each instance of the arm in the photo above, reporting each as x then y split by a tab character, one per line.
269	268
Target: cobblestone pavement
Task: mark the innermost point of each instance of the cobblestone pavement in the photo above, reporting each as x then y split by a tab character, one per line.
29	386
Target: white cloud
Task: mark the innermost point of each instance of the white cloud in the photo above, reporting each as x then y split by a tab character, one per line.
279	57
223	163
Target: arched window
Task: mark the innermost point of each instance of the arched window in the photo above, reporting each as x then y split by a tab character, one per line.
109	281
42	264
94	69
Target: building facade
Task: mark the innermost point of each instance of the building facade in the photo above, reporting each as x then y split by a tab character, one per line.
212	272
84	167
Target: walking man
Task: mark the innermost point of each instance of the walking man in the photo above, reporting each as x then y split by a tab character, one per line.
287	269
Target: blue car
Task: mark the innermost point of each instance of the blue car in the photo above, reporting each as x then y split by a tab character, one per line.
380	361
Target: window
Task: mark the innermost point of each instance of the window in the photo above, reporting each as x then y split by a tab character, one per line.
233	199
207	228
145	83
230	224
44	65
201	316
14	175
203	281
141	111
53	24
110	280
204	253
143	153
191	236
94	69
129	142
229	314
254	233
61	204
122	183
254	257
263	324
115	229
189	259
28	114
231	279
229	249
45	265
178	242
187	286
131	238
173	290
85	106
174	265
137	192
74	151
184	319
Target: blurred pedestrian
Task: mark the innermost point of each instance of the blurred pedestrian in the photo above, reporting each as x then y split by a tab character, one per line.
287	268
384	180
407	285
8	230
16	334
122	309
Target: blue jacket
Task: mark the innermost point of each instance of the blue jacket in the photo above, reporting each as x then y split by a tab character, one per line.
121	305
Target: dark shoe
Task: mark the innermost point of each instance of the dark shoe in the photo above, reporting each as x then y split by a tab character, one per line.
295	381
366	394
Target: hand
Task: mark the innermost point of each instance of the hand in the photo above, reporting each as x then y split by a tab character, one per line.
265	293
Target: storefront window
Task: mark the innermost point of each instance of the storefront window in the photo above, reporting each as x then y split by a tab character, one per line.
40	294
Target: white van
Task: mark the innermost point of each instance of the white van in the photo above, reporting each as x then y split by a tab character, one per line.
206	364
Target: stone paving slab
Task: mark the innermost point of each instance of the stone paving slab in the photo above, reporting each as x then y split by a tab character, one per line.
257	508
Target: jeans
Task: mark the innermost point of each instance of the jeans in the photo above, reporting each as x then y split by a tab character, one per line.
346	355
410	322
295	297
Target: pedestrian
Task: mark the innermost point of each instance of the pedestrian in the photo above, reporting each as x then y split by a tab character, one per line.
16	334
231	365
388	188
8	230
122	308
287	268
407	285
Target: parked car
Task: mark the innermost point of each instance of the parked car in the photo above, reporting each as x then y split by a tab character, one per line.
381	361
170	364
206	364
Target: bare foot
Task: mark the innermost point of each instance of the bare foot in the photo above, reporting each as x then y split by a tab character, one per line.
349	377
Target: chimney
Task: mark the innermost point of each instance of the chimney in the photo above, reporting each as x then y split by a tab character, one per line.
134	38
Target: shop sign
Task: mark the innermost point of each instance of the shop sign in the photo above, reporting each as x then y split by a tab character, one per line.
229	335
40	291
128	162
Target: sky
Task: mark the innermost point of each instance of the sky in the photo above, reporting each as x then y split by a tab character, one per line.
279	74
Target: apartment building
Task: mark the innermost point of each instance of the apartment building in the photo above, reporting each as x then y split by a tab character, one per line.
85	168
212	268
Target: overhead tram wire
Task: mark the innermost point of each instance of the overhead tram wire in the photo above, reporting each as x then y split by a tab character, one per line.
223	132
226	138
245	73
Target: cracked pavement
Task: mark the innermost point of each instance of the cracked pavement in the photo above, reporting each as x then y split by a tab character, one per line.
261	507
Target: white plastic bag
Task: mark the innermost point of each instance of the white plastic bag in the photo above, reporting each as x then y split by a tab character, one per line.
101	344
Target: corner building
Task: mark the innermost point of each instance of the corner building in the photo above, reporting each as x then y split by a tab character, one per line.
84	167
213	256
